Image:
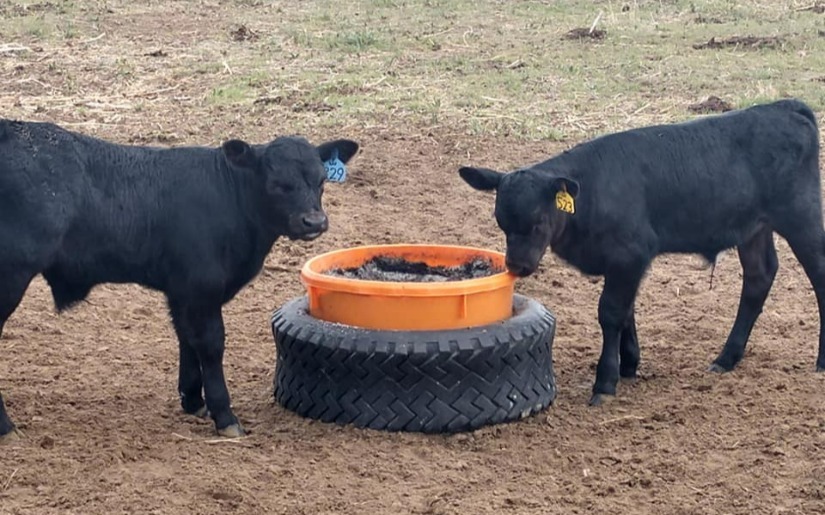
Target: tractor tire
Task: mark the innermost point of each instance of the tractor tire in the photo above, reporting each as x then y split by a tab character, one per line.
442	381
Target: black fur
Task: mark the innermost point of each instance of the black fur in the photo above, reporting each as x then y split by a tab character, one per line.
698	187
195	223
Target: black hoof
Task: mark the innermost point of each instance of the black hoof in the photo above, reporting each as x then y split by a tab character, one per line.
717	369
233	431
11	436
628	375
600	399
194	406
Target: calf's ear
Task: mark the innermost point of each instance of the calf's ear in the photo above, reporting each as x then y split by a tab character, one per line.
345	148
481	178
239	153
566	184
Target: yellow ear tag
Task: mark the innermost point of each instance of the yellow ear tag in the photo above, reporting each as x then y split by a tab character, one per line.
564	201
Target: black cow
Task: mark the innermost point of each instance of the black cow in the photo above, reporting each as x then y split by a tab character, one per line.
697	187
194	223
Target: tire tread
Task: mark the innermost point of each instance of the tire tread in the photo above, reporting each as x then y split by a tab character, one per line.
426	381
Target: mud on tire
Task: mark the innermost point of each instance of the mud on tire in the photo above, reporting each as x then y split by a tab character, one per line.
424	381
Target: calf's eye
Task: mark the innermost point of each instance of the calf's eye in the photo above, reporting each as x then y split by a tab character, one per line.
282	188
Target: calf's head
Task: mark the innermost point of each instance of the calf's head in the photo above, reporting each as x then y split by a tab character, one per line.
287	176
525	210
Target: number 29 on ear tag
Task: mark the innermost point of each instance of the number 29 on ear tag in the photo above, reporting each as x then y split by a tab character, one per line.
564	201
336	170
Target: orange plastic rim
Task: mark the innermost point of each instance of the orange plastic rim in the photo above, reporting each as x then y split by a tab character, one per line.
406	305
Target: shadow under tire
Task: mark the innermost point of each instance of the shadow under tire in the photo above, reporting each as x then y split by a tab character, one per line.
442	381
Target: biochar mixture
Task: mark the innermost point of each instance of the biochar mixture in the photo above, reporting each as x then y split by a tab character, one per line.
386	268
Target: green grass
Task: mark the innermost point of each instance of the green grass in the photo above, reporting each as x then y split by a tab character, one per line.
503	67
481	68
352	41
230	94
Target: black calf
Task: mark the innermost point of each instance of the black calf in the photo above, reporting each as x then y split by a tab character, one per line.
611	205
195	223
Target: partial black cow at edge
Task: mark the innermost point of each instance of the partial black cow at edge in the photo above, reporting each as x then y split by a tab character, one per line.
696	187
195	223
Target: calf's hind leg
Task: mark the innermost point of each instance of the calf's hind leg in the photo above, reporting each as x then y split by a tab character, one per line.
11	293
809	248
759	266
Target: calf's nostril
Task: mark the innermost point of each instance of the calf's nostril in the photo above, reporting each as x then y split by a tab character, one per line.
314	221
517	269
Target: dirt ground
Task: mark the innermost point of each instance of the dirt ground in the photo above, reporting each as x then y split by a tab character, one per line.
94	390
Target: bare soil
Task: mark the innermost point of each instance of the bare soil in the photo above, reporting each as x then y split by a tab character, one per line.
388	268
94	389
712	104
582	33
741	42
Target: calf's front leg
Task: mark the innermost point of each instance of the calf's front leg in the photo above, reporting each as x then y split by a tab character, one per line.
190	381
7	430
629	354
203	330
615	312
190	378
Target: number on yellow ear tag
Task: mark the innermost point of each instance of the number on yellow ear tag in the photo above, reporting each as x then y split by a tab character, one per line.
564	202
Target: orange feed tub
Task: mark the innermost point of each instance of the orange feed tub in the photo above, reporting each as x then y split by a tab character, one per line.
408	305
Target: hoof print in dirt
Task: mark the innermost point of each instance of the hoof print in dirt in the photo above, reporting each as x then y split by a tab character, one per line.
441	381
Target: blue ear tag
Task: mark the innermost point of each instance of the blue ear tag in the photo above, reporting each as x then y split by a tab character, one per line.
336	171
